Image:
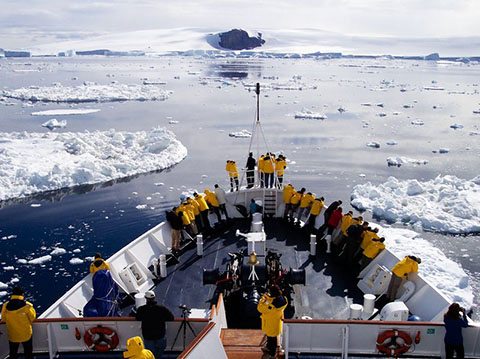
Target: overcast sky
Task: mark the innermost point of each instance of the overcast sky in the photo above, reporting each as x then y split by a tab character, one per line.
24	23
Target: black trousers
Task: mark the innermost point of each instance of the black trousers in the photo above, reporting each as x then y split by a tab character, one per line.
451	349
272	345
250	178
27	349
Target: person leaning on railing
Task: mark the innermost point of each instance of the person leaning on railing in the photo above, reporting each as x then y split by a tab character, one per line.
455	319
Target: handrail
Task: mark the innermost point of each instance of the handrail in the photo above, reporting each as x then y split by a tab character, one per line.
108	319
369	322
196	340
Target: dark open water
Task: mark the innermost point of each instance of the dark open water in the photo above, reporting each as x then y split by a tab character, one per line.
328	155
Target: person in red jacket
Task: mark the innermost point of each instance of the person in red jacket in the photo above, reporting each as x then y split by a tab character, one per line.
334	220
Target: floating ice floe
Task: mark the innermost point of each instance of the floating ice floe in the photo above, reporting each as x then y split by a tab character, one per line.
54	123
3	286
241	134
417	122
58	251
8	268
444	274
477	112
373	144
141	206
442	150
37	162
11	236
391	143
456	126
88	93
310	115
399	161
66	112
75	261
444	204
433	88
341	109
381	114
40	260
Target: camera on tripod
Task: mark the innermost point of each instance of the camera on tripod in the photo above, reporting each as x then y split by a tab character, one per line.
186	310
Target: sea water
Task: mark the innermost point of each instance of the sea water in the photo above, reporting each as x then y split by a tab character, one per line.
384	101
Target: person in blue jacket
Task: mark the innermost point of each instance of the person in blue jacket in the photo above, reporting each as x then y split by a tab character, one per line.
455	319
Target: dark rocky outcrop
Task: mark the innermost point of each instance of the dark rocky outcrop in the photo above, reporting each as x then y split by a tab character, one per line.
239	40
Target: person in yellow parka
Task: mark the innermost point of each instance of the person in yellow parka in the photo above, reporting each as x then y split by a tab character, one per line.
271	306
19	315
372	250
261	173
305	204
136	349
280	165
295	202
269	170
203	207
315	210
287	194
213	203
232	170
368	236
98	264
407	265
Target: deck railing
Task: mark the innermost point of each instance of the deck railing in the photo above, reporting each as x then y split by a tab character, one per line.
59	335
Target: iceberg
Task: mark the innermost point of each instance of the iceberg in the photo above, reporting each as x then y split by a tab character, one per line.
88	92
444	204
66	112
38	162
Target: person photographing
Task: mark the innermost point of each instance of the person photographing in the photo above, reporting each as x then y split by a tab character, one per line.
271	306
455	319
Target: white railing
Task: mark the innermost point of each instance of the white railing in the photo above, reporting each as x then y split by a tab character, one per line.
59	335
346	338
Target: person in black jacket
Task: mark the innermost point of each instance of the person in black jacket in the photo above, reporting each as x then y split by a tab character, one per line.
153	317
250	170
176	223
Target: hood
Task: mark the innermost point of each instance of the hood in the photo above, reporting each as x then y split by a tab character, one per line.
134	347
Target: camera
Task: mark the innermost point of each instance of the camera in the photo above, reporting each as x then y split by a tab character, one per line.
185	308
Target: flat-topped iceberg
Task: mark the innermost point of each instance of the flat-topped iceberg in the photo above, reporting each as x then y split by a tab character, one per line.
38	162
88	93
444	204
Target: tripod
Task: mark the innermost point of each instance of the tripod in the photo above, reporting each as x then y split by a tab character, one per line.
183	327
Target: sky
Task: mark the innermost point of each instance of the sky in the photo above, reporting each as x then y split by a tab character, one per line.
25	23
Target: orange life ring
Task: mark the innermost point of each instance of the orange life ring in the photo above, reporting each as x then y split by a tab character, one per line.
388	343
101	339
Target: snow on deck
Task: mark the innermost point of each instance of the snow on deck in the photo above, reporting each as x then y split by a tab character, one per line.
444	204
37	162
88	93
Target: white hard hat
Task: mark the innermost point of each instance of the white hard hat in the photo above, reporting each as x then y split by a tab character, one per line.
149	294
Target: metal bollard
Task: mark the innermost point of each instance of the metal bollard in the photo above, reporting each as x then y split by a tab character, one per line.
313	245
199	244
328	239
156	269
163	265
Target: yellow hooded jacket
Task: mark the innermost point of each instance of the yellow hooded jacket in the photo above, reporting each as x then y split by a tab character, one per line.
296	198
346	222
211	198
405	266
368	238
19	315
231	168
202	204
268	164
287	193
136	349
99	264
307	200
317	206
196	206
280	167
271	316
373	249
190	210
260	163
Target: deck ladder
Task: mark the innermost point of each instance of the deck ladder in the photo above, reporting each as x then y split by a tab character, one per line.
269	202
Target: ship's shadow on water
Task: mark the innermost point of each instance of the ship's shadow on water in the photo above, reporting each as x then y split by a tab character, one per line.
58	195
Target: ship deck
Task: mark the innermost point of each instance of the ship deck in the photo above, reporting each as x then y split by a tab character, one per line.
328	292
